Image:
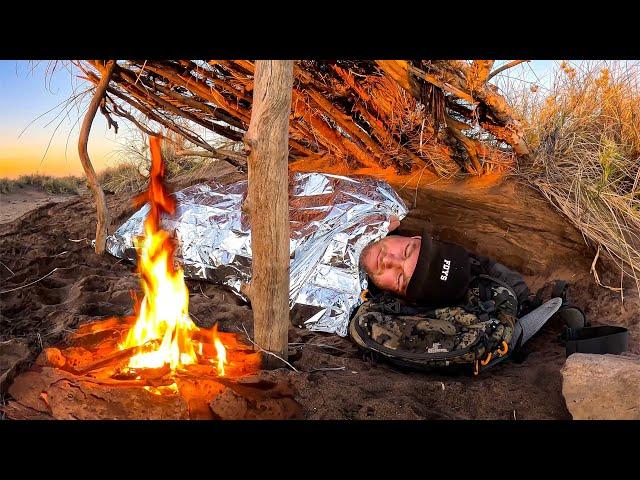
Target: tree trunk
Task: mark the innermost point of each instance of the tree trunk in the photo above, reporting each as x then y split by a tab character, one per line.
92	180
268	202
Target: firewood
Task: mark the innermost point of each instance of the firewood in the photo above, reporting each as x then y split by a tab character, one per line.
114	357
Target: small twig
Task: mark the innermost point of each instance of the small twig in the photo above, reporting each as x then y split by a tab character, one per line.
10	271
140	73
202	291
407	182
60	254
76	241
597	277
327	369
302	344
504	67
36	281
415	198
266	351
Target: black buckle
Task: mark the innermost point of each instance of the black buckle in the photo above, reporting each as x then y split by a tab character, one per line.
568	334
392	307
488	306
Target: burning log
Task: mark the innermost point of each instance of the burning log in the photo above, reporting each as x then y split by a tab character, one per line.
115	356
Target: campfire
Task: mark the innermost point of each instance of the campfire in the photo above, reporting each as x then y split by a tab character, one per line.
158	358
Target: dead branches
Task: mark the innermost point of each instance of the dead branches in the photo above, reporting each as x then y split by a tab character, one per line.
468	83
437	114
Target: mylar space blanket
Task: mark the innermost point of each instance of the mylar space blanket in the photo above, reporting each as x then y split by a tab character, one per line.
332	218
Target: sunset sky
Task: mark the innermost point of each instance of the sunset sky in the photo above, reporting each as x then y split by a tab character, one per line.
27	91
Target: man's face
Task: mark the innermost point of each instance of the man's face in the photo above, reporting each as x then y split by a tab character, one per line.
391	261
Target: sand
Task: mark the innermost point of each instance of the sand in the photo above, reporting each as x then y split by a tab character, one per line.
15	204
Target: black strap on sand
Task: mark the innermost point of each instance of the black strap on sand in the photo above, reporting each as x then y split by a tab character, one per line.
602	339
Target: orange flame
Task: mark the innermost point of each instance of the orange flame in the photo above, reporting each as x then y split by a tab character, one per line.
163	326
220	351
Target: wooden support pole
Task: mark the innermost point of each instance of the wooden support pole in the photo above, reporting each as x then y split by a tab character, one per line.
92	179
268	203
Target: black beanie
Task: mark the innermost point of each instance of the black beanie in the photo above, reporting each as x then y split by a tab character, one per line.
442	273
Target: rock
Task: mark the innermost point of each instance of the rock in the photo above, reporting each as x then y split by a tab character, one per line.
254	398
51	357
52	392
229	406
13	354
598	387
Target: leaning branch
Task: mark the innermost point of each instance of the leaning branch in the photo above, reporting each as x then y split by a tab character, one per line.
234	158
92	180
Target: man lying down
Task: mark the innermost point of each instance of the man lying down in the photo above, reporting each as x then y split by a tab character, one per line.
425	271
437	305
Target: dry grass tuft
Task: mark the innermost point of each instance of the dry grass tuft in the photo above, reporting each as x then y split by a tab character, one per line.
52	185
131	172
585	135
6	185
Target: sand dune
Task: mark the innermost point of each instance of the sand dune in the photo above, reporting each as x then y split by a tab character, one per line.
15	204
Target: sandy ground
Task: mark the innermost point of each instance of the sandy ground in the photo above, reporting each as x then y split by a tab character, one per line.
335	380
15	204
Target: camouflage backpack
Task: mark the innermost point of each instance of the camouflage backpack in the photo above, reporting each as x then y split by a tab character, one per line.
471	336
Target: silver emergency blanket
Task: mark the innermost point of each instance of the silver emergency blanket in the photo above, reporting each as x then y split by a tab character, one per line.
332	218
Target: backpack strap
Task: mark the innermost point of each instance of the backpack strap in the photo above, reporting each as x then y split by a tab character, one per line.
601	340
580	337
